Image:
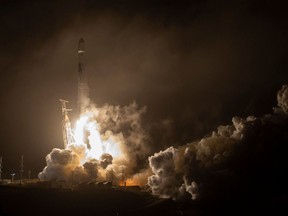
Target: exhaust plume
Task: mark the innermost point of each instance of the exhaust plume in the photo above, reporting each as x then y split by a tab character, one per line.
247	146
115	139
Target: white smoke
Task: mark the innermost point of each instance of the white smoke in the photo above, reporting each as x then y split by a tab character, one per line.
60	164
165	182
181	170
173	167
115	138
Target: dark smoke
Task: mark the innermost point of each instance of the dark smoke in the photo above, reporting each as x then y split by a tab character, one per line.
105	160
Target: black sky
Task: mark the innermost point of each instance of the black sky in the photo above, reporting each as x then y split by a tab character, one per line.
194	64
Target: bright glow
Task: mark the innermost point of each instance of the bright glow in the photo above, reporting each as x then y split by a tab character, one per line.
131	182
80	129
96	145
112	147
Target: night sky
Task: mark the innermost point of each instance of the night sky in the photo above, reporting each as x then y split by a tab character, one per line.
194	64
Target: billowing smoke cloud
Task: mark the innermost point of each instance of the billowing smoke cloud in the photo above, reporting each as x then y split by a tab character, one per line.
60	164
115	140
166	181
177	169
249	148
106	159
91	168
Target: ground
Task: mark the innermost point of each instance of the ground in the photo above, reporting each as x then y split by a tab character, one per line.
21	200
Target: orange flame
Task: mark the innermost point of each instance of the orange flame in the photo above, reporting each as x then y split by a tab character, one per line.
132	182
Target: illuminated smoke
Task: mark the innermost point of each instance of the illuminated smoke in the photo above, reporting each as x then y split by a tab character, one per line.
165	182
117	143
235	149
60	163
107	137
175	169
91	168
105	160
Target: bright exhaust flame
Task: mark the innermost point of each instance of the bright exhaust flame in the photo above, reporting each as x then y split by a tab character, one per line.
104	141
97	145
80	129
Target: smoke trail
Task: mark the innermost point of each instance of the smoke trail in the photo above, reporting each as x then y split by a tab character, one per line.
238	149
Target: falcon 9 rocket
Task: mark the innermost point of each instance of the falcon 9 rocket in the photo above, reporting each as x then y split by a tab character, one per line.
83	90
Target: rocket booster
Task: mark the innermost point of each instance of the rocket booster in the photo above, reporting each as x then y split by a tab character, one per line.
83	89
81	70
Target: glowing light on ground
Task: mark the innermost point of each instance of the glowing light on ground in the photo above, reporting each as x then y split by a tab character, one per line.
131	182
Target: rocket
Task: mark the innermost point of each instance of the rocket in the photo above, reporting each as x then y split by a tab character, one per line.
83	90
81	69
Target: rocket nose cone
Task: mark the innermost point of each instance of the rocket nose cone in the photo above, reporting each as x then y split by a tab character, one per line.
81	40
